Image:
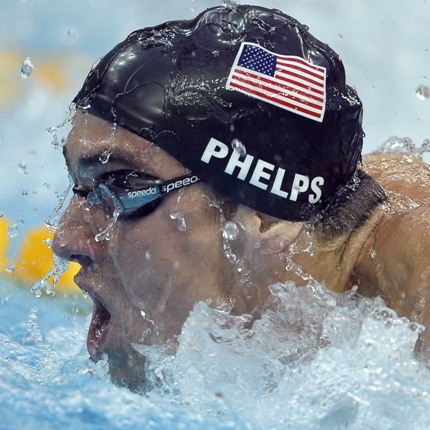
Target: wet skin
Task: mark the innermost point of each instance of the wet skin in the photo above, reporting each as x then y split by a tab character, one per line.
148	276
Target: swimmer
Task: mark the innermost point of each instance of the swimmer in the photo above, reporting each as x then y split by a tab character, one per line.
214	157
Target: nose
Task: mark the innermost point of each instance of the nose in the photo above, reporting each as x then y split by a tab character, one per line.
74	239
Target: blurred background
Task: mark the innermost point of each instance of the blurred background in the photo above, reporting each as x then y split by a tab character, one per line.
47	47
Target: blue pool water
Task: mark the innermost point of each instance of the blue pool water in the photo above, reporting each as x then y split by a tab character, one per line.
319	361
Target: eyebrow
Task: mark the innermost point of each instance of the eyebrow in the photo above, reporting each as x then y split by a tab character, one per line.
92	162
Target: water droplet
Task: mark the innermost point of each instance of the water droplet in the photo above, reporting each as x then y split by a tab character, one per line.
182	225
215	53
27	68
174	215
425	147
13	231
229	3
22	167
230	231
71	32
10	268
423	92
24	193
107	233
104	157
148	255
238	147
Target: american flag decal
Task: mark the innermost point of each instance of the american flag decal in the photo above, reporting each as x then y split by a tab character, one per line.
286	81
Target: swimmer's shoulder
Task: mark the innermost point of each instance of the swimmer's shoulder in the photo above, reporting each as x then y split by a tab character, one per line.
394	261
405	177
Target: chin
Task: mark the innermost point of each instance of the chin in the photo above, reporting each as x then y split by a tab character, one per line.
130	373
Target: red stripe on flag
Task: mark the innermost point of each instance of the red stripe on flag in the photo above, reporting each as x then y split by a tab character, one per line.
307	88
283	102
306	68
292	92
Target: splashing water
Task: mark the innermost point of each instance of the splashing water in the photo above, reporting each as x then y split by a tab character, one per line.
404	144
58	268
53	221
315	360
58	143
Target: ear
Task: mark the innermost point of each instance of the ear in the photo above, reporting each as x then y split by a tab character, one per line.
266	234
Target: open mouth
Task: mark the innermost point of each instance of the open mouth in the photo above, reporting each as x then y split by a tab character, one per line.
98	329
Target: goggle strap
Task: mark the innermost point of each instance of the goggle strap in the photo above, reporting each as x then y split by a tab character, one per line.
178	183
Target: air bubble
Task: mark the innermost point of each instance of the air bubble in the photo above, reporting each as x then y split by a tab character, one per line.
230	231
238	147
423	92
27	68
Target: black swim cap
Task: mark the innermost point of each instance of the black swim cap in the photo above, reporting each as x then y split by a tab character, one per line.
243	96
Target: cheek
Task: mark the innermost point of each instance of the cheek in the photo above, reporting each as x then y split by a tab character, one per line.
155	260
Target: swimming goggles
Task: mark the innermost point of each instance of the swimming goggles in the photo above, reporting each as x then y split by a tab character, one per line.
126	193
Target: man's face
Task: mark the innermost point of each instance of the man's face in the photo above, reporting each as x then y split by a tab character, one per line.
144	273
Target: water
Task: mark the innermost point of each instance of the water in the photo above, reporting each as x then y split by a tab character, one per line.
318	361
27	68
